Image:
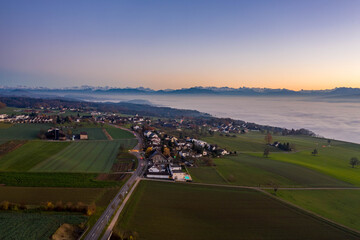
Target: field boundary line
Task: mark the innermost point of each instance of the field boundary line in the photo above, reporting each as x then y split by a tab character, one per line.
109	137
221	175
257	188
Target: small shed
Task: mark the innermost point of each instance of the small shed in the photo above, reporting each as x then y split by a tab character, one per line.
84	136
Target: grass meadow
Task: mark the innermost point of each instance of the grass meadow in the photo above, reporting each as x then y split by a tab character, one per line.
117	133
341	206
22	131
254	142
254	171
160	210
297	168
206	175
332	161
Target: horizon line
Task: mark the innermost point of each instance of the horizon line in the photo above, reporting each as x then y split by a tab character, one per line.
165	89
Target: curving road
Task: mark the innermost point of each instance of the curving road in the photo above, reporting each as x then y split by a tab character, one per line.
95	232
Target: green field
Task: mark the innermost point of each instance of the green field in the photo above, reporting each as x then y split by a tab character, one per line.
254	171
332	161
22	131
160	210
30	154
82	156
341	206
206	175
254	142
241	143
246	170
40	195
117	133
329	168
34	226
55	179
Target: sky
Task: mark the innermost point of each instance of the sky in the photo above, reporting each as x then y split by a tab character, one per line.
298	44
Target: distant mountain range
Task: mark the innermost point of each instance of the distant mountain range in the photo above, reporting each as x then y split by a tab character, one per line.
243	91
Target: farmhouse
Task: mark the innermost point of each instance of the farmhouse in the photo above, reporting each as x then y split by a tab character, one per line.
159	171
55	134
158	158
84	136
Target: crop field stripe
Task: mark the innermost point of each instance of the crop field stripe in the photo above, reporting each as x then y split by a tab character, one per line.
98	150
99	164
53	161
30	154
60	160
69	158
85	158
103	165
95	161
90	156
49	162
95	151
113	154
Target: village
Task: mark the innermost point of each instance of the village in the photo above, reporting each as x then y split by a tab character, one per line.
168	154
170	145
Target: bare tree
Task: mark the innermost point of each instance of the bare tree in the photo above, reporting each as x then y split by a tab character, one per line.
354	161
268	138
266	152
315	152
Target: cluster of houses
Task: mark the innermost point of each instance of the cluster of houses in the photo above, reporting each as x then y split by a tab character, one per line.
161	167
199	125
184	147
25	118
136	120
168	155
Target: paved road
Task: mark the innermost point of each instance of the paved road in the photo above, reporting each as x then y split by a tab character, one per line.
109	230
95	232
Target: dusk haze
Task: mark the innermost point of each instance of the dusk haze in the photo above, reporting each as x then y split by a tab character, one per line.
175	44
179	119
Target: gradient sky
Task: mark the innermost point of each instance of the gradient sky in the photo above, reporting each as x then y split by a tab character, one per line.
175	44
